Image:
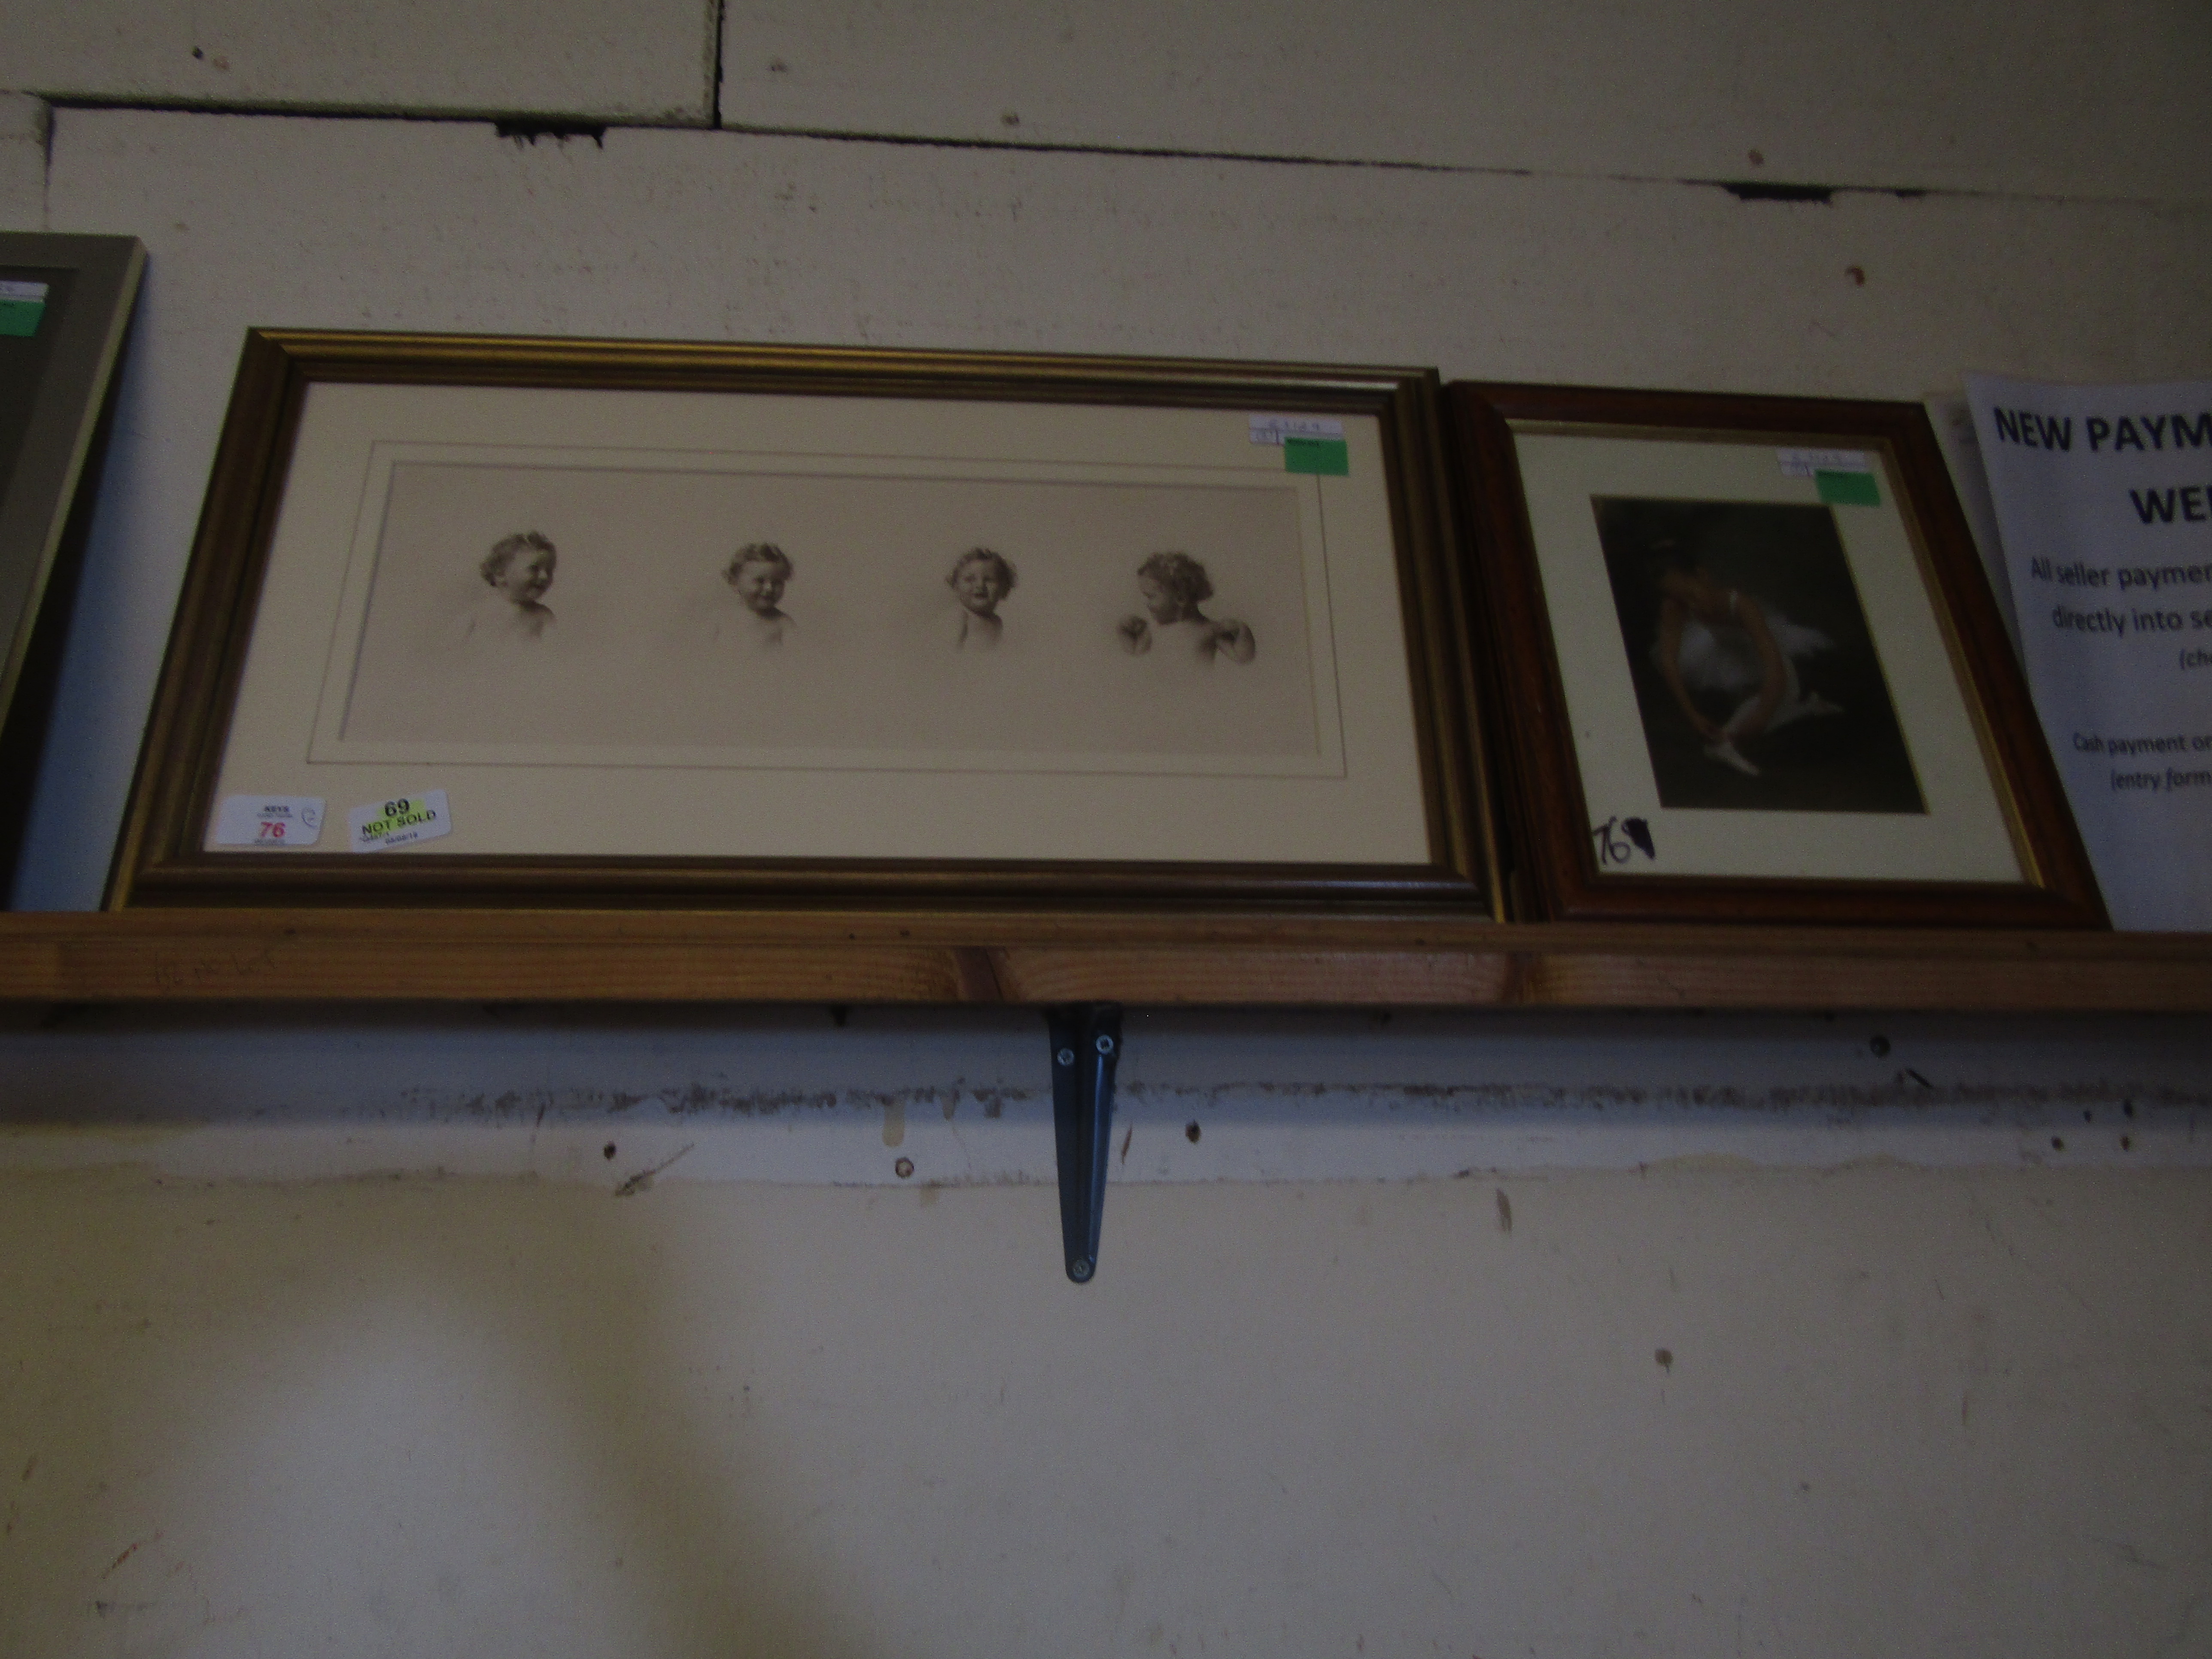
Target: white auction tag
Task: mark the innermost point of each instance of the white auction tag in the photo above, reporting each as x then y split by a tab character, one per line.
1806	463
400	821
1273	429
268	821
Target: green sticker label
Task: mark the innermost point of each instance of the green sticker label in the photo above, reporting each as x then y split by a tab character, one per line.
400	821
20	316
1848	488
1329	457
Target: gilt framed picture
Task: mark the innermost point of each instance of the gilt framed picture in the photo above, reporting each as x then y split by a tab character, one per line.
479	621
1748	667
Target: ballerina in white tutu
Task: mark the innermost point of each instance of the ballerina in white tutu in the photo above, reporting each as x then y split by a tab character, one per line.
1721	639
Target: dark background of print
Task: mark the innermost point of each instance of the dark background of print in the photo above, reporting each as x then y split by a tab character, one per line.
1790	559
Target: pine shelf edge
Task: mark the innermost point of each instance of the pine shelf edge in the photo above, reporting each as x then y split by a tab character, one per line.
347	955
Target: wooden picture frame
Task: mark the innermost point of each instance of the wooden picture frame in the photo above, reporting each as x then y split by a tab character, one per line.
1844	736
399	530
65	307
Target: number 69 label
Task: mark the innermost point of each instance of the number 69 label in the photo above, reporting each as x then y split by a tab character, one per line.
399	821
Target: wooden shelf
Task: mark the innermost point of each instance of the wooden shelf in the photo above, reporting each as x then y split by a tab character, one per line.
1224	960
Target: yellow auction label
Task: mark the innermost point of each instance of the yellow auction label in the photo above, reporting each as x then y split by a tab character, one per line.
401	821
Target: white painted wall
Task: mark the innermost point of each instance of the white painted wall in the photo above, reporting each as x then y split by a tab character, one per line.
328	1330
413	1418
1970	95
642	61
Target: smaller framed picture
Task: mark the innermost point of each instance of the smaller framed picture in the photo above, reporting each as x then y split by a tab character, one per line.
1749	669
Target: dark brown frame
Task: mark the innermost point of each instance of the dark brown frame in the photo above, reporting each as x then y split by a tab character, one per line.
159	857
1557	875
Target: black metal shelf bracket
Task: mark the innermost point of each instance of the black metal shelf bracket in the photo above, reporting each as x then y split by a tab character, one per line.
1086	1045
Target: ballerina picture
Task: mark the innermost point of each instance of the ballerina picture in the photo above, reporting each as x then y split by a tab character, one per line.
1172	587
1752	664
1722	639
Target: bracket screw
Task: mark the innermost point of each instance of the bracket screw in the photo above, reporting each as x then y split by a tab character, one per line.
1066	1056
1080	1269
1105	1045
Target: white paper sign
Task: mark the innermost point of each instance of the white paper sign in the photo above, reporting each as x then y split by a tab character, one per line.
18	290
2104	499
1805	462
268	821
400	820
1273	429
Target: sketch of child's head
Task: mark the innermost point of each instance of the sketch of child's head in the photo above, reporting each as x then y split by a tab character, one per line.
979	579
519	567
1173	585
759	572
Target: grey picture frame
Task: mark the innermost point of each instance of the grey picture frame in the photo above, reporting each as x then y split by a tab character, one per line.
56	398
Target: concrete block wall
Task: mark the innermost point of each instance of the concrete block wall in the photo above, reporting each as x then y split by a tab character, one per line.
534	1331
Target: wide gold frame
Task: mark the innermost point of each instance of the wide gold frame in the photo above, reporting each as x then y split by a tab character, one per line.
162	859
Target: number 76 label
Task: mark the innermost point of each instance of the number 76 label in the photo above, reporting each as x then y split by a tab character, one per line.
271	822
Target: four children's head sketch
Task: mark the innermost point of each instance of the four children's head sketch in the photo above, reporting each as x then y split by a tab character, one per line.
1172	586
